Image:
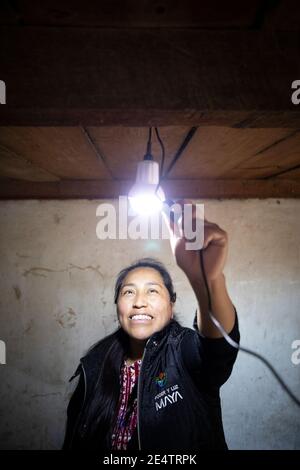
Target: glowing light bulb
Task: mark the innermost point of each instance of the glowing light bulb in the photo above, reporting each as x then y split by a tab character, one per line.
146	197
146	204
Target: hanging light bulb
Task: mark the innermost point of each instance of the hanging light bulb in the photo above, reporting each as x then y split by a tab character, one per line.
146	196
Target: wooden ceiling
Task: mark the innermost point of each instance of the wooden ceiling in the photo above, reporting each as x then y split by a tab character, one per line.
85	82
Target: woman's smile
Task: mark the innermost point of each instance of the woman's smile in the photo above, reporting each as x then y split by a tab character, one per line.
144	304
140	318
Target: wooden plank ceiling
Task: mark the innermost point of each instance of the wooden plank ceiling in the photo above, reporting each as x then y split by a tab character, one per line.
244	145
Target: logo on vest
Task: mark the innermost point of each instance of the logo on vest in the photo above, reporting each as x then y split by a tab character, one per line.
169	396
161	380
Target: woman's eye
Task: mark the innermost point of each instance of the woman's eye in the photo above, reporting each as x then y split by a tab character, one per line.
128	292
153	291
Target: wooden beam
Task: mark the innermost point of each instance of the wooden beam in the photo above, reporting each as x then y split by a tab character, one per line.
139	14
195	189
94	77
15	116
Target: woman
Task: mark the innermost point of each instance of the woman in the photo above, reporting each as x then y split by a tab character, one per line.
154	385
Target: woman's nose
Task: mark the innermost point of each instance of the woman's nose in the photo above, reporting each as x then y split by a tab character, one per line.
140	301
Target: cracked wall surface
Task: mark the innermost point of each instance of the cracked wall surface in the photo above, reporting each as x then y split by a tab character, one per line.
56	300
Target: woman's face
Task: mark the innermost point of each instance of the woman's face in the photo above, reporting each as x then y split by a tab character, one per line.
144	304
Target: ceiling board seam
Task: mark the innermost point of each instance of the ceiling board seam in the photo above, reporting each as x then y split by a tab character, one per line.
276	142
181	150
262	151
96	150
245	123
31	164
287	170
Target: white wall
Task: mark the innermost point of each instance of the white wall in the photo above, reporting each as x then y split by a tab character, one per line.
57	299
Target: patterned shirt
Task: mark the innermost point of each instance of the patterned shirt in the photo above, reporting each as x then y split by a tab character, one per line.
126	417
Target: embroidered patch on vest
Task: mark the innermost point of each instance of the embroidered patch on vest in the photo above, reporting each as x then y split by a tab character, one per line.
161	380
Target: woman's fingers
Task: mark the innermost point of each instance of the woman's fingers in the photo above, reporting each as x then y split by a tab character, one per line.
214	234
177	227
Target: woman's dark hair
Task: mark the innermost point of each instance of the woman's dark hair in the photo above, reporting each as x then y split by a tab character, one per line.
102	406
146	263
101	410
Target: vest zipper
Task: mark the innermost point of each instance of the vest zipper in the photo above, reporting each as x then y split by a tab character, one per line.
138	400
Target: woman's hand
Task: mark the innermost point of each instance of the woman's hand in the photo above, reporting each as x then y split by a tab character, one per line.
215	248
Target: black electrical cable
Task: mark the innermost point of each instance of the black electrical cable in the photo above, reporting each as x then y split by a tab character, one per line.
150	137
232	343
162	152
148	155
236	345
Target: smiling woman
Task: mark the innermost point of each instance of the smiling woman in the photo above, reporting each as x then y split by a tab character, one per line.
154	385
145	298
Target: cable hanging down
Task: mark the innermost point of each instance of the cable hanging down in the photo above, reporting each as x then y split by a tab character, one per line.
214	320
241	348
162	152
